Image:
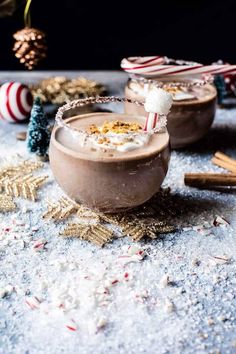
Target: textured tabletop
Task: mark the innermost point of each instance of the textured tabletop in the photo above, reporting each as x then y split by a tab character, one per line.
73	297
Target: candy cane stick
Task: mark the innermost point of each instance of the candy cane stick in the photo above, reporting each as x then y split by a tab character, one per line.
155	67
141	63
151	121
180	70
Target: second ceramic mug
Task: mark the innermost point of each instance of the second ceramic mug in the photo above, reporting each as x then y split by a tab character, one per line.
190	119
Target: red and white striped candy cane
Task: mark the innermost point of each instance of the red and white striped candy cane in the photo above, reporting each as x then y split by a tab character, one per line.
132	66
151	121
15	102
182	70
141	64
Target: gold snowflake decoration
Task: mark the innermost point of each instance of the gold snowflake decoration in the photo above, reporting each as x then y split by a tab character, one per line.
95	233
18	180
144	221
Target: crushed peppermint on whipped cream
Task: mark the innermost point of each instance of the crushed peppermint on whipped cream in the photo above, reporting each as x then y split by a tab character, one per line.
118	135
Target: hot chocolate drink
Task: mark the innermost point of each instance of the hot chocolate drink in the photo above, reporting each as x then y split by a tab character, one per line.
192	111
107	162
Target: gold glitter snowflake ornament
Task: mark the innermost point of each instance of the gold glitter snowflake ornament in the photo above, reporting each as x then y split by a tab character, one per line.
17	180
96	227
97	233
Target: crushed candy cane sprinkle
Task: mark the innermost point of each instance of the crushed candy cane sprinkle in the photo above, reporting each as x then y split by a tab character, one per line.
84	300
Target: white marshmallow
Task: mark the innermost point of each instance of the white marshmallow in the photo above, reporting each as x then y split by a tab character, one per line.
158	101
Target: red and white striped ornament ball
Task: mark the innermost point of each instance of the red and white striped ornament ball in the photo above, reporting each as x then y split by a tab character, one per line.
15	102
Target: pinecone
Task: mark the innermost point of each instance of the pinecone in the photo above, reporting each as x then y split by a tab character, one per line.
30	46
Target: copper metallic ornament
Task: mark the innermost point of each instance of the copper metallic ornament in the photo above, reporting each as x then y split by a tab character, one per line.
30	46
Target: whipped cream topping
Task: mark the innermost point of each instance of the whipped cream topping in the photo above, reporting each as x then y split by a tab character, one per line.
120	142
116	135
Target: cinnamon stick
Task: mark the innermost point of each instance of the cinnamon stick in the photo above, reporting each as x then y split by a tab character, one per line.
225	157
224	161
209	179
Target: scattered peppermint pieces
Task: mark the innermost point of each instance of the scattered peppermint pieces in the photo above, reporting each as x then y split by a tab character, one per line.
39	245
32	302
220	221
220	260
169	306
133	254
71	325
164	281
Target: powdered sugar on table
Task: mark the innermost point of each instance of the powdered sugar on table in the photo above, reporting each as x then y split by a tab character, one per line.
175	294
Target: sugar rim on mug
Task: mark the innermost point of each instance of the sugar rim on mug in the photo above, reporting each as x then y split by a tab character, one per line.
195	82
101	99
